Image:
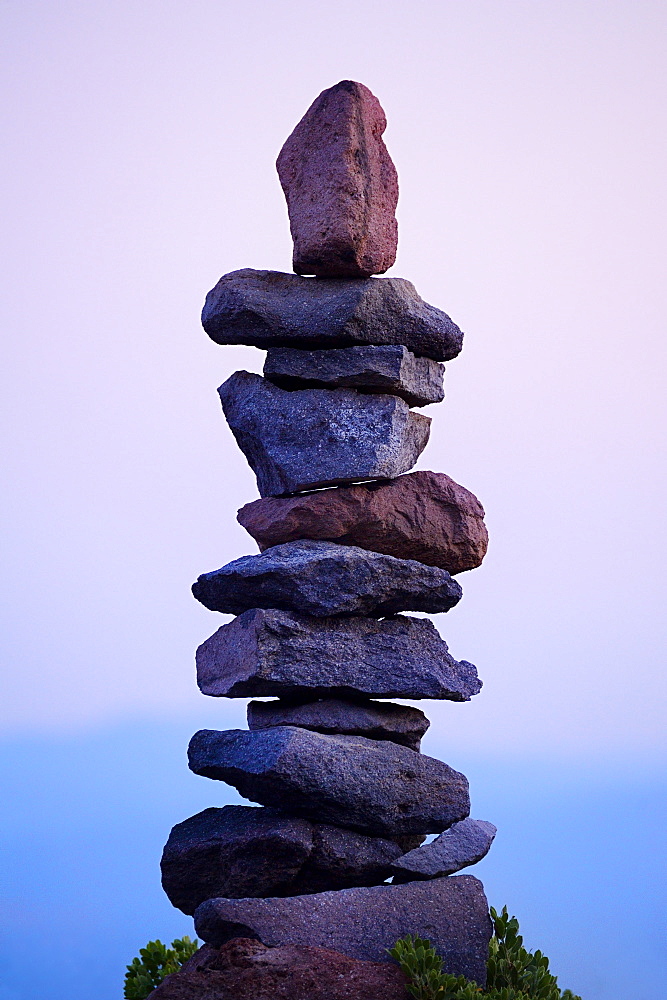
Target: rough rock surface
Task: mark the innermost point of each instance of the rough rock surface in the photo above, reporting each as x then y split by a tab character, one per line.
423	515
451	912
245	969
267	652
372	786
392	369
318	437
341	186
242	851
323	578
372	719
273	309
462	845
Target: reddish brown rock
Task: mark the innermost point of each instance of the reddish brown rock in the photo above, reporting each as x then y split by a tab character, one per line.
245	969
423	515
341	186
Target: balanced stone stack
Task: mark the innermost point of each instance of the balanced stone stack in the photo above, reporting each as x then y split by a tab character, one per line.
349	540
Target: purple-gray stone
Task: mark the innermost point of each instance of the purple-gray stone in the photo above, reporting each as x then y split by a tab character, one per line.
372	786
464	844
452	913
323	579
390	369
273	309
320	437
267	652
243	851
372	719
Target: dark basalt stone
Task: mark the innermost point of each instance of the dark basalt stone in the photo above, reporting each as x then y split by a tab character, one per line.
392	369
267	652
396	723
373	786
316	437
273	309
242	851
452	913
324	579
464	844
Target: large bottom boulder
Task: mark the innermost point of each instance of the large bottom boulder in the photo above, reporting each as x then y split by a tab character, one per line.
451	912
245	969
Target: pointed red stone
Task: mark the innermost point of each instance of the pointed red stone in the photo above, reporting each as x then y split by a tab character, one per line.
341	186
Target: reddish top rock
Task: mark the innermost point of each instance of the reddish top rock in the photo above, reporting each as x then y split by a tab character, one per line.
341	186
423	515
245	969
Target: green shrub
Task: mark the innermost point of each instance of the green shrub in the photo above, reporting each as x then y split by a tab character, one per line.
513	973
156	962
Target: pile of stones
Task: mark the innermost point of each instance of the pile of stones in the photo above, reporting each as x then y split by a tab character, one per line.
349	539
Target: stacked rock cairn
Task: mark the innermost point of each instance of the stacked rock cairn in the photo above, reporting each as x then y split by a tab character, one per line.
349	539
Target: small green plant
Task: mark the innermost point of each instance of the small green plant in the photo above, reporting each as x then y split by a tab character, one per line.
155	962
512	968
513	973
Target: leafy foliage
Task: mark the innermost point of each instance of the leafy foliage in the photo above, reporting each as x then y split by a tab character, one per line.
423	966
513	973
512	968
156	962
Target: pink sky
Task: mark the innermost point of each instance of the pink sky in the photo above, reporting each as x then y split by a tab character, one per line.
138	166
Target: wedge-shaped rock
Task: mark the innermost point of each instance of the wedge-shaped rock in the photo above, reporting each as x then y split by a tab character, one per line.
424	516
392	369
267	652
372	786
314	437
452	913
241	851
462	845
341	186
273	309
372	719
322	578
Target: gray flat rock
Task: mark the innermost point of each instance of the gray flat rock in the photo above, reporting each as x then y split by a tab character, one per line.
464	844
372	786
390	369
273	309
317	437
372	719
243	851
267	652
323	579
452	913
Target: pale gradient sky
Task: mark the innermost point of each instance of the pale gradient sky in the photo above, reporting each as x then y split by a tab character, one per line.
139	141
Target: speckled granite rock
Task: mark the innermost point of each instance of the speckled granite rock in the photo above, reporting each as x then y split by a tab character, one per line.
462	845
372	786
372	719
392	369
341	186
242	851
423	515
267	652
245	969
323	579
273	309
315	437
451	912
